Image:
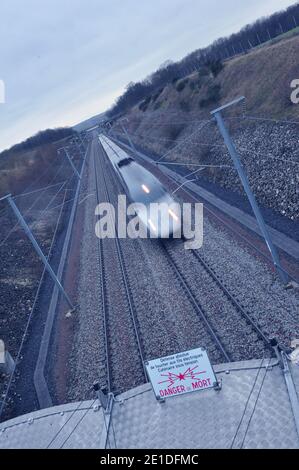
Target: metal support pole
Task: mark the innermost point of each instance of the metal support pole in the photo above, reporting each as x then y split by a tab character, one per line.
291	390
269	35
78	145
242	174
71	162
106	401
37	248
82	142
258	37
128	138
284	365
105	398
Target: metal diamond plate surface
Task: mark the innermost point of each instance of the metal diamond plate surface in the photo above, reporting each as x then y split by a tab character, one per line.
251	411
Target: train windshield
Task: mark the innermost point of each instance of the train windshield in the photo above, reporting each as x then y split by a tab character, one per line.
142	185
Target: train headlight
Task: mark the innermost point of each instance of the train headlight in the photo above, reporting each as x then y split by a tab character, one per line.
173	215
145	189
152	225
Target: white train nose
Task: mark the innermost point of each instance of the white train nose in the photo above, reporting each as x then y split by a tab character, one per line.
157	211
162	220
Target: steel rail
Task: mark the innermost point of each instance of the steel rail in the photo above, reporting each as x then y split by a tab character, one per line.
103	292
196	305
212	212
233	300
129	295
227	293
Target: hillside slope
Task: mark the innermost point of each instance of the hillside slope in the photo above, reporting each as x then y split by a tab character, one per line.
269	149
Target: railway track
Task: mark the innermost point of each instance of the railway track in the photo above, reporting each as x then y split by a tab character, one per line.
105	372
124	354
221	283
200	311
229	295
233	343
240	335
256	246
215	338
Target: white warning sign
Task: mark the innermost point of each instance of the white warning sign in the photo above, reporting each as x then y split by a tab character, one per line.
181	373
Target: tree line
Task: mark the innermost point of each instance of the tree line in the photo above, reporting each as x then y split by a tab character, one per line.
41	138
249	37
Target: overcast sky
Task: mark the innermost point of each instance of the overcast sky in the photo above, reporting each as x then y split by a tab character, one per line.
63	61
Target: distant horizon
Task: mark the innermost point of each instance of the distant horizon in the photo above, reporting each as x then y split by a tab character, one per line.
105	47
51	128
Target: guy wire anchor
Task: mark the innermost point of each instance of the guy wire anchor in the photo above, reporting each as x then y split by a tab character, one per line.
105	398
276	349
217	385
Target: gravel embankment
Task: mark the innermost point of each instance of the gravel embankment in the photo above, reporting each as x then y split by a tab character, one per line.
270	304
168	321
87	354
269	153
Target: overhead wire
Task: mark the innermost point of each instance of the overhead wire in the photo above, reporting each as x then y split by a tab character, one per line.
42	175
242	237
30	208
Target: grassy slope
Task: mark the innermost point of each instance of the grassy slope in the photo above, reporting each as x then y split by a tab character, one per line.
20	169
263	76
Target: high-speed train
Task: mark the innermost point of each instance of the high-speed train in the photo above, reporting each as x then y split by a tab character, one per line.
142	187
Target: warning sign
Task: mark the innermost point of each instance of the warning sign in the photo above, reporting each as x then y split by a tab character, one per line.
181	373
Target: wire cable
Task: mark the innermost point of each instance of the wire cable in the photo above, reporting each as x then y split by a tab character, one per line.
222	146
28	321
65	423
42	175
274	121
77	424
185	140
196	164
255	405
38	190
247	402
30	208
26	213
